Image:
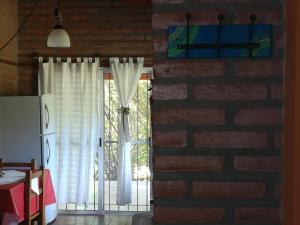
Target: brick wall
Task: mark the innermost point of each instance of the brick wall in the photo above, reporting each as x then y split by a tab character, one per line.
217	123
96	28
9	55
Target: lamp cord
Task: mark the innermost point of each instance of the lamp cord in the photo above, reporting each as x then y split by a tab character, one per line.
21	26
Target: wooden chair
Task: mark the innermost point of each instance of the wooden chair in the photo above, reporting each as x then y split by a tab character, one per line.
28	193
1	215
31	165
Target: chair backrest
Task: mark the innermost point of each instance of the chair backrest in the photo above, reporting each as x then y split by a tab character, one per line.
1	216
31	173
31	165
29	194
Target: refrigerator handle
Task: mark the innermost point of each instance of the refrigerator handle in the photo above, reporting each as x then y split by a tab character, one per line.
49	151
47	116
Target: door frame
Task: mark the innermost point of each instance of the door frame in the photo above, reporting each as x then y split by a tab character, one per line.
291	152
148	71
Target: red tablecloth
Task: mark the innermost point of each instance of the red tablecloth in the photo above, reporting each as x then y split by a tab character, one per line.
12	197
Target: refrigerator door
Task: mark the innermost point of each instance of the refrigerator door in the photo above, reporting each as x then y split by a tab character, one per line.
47	114
51	213
49	159
20	129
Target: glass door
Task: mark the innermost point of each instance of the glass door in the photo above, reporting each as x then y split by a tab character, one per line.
104	189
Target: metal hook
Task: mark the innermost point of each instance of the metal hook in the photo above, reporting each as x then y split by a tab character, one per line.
252	19
219	45
188	19
221	18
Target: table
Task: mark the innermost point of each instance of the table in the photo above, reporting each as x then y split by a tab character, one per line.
12	198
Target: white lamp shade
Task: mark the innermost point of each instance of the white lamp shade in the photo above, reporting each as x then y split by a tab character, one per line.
58	38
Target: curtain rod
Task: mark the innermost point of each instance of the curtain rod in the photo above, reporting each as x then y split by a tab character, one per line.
74	58
64	58
146	70
104	61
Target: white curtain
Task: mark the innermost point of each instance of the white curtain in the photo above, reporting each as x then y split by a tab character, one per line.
126	76
75	86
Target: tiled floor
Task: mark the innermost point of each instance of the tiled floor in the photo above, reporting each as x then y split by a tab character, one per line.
92	220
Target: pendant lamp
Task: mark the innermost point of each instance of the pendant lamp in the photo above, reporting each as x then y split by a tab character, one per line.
58	37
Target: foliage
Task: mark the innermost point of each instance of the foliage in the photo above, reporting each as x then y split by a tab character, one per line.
139	130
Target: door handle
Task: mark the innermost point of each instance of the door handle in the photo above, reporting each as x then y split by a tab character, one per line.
48	150
47	116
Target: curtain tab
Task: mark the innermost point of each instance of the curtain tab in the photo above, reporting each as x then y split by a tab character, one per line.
151	75
69	59
51	59
78	59
140	59
41	59
113	60
58	59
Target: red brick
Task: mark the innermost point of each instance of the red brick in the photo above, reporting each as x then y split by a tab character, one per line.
177	189
235	190
188	163
230	139
188	215
276	92
160	43
169	92
26	88
279	44
195	116
230	92
167	1
265	116
136	51
277	191
278	139
264	16
163	20
139	2
189	68
249	215
230	1
259	68
170	139
257	163
32	45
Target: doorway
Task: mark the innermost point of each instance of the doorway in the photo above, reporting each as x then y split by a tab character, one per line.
102	196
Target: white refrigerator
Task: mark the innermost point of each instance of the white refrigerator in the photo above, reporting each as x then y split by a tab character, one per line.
27	131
